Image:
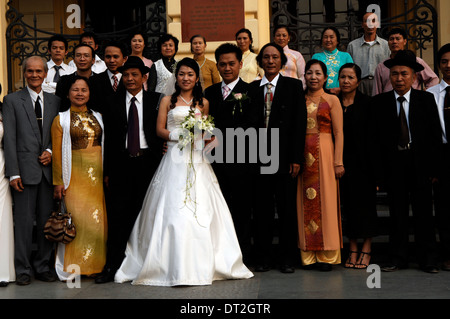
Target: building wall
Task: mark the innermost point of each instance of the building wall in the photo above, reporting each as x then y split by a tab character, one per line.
443	9
257	20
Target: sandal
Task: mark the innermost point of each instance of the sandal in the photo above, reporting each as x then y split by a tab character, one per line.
348	263
360	264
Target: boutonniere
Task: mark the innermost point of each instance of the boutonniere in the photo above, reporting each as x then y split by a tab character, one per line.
238	98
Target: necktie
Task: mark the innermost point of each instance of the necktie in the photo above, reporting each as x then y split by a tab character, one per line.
268	103
38	111
57	75
133	129
404	131
116	83
226	90
447	114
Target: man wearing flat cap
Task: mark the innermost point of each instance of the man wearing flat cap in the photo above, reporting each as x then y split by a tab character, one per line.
131	156
408	134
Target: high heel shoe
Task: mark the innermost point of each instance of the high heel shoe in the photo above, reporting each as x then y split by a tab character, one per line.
348	263
359	264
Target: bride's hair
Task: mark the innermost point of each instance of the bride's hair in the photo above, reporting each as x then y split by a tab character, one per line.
197	91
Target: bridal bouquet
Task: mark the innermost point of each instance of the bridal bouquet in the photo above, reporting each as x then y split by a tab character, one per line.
193	127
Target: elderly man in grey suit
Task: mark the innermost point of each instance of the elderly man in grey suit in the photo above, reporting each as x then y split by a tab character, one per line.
27	117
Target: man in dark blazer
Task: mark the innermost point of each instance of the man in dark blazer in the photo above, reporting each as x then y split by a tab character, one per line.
407	156
441	189
128	171
109	81
27	116
286	114
83	56
234	178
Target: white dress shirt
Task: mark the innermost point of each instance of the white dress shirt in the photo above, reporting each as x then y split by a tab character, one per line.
49	86
407	96
110	75
34	95
230	85
139	107
274	82
439	95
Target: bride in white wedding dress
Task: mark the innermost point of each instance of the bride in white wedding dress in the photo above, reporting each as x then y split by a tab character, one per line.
174	242
7	272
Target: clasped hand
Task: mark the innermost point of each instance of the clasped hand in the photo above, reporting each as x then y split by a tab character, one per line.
45	158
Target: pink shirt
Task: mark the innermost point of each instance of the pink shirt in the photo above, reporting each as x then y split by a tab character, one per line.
382	82
295	65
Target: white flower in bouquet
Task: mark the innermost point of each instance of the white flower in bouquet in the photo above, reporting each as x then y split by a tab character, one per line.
193	127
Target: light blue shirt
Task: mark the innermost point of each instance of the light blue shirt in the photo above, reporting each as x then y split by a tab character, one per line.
333	60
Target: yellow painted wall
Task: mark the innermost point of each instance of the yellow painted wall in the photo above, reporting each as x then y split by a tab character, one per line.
443	9
257	20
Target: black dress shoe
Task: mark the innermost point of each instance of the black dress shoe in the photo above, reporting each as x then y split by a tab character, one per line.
310	266
105	276
262	268
324	267
4	283
287	269
431	269
392	267
23	279
46	276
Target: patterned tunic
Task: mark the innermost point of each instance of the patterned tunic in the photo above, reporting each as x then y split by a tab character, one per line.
84	197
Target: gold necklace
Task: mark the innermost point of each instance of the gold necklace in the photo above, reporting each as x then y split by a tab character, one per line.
331	56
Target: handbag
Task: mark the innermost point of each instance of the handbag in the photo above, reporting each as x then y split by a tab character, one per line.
59	227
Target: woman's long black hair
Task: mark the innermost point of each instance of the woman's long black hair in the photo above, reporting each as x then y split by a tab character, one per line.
197	91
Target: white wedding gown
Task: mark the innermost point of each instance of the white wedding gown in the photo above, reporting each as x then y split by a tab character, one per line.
7	272
169	244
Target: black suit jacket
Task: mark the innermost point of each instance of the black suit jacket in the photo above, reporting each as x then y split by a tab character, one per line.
229	113
101	89
222	110
116	126
288	114
424	126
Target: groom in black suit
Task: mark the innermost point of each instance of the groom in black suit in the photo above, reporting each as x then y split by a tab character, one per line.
132	154
278	105
409	139
234	178
109	81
